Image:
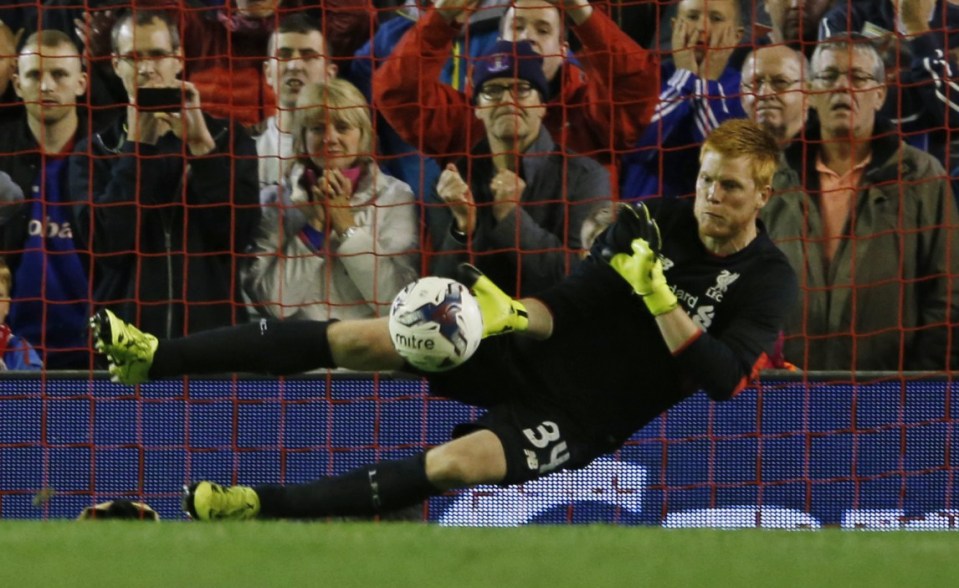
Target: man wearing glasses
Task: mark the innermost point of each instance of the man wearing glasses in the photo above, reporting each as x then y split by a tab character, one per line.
869	232
773	90
515	206
174	191
601	99
919	41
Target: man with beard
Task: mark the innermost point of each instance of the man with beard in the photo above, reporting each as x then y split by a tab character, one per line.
869	232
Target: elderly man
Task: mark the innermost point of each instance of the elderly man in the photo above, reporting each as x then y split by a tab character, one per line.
174	192
920	47
773	90
870	231
521	207
655	319
47	257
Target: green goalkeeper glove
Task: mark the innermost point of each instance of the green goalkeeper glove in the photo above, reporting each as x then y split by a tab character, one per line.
501	314
644	272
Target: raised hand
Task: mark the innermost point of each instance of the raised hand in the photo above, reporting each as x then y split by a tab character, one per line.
93	30
455	192
912	16
456	10
644	272
507	188
633	221
722	42
640	265
683	46
144	126
333	191
188	125
577	10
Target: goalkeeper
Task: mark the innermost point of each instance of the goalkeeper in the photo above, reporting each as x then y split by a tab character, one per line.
642	324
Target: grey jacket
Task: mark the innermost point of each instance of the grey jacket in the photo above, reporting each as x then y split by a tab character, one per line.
531	250
353	278
887	300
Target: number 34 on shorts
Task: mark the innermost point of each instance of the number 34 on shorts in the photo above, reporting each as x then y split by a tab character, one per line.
550	449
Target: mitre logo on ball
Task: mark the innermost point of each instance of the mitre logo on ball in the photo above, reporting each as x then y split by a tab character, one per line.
435	324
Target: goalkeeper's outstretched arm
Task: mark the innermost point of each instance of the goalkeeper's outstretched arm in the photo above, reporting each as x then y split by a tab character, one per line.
540	319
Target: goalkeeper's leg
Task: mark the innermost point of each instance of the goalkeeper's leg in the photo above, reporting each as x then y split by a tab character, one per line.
383	487
268	346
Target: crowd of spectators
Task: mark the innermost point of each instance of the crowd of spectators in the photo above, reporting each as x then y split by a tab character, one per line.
192	164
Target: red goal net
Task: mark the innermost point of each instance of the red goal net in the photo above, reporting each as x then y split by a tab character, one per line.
174	162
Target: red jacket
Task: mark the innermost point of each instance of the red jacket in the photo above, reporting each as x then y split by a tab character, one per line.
226	64
603	106
225	55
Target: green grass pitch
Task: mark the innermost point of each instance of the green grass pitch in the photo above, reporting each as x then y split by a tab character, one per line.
174	554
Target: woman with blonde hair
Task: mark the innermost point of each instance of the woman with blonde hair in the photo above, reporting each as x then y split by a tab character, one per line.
338	236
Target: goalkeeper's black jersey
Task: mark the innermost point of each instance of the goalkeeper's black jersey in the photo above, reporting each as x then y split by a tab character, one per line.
606	363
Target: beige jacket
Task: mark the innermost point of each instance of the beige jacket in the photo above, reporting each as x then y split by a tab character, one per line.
888	300
353	278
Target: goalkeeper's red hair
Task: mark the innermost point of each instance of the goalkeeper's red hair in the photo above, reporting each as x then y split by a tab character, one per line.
741	137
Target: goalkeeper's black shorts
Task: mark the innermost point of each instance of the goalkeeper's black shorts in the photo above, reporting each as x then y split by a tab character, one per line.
539	435
535	440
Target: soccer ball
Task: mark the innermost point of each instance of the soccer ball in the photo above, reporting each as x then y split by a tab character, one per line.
435	324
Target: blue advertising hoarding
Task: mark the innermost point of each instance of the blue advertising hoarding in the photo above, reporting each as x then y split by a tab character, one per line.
787	454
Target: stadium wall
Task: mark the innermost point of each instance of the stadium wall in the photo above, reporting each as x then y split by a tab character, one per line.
792	452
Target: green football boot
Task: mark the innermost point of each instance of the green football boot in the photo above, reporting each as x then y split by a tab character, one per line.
128	349
206	501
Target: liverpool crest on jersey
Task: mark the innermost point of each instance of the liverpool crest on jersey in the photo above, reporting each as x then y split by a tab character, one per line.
723	281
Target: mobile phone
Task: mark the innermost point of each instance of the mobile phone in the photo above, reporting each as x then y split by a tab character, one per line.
160	99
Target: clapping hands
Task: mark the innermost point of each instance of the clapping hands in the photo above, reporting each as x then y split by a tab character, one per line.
455	192
331	195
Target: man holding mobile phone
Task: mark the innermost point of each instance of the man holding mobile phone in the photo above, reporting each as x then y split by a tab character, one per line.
147	58
174	191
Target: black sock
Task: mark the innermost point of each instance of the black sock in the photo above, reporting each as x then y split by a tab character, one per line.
382	487
267	346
